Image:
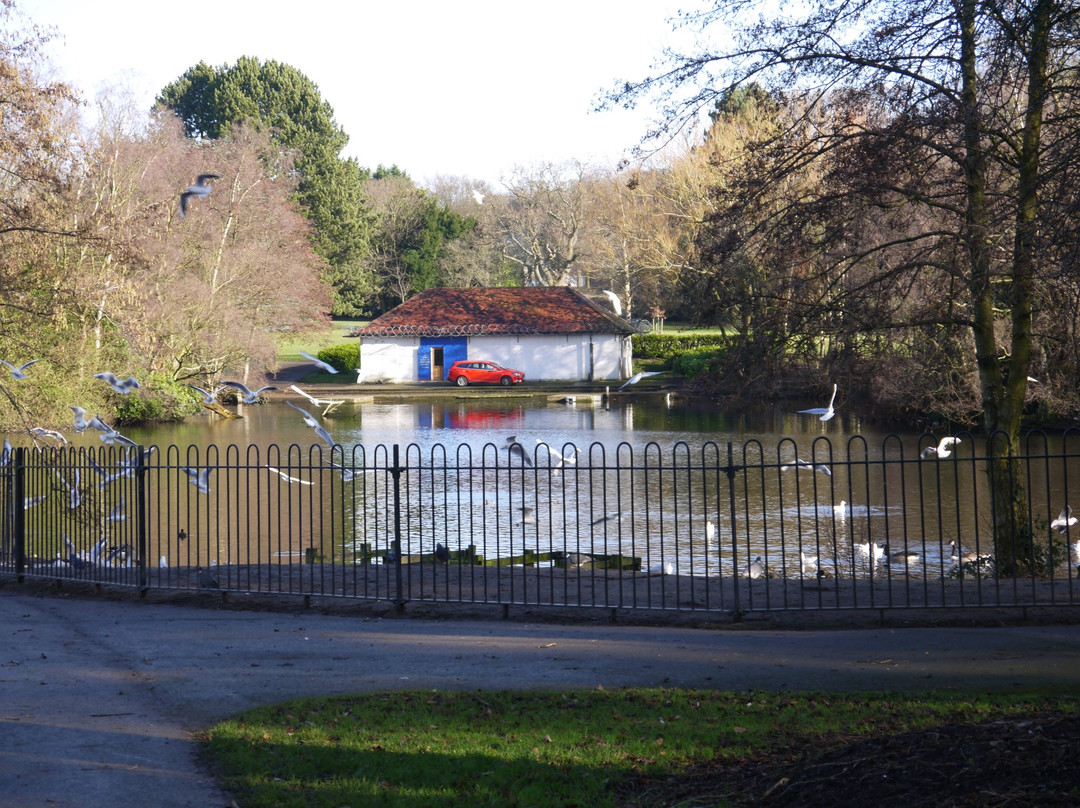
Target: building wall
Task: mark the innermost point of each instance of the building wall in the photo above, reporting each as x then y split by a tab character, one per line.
555	357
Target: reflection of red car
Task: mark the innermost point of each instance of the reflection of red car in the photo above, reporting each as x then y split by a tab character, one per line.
474	372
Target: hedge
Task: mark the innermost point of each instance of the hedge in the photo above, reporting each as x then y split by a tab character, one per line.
668	346
344	357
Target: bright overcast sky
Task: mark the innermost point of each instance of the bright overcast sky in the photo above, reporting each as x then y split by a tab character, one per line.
468	89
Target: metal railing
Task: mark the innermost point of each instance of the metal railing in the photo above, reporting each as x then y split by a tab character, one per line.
714	528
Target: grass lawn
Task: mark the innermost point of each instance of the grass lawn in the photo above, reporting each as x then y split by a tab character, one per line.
586	748
289	347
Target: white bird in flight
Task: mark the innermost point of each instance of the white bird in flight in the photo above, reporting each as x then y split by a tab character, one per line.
824	413
208	397
943	449
616	304
200	478
20	371
515	449
805	465
321	364
249	396
479	197
200	188
1064	521
312	422
122	386
637	377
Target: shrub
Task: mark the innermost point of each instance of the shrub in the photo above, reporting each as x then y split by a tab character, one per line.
668	346
696	362
344	357
160	398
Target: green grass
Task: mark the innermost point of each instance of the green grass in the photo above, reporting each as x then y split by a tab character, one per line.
289	347
415	749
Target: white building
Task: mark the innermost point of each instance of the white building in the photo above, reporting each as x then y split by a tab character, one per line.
551	333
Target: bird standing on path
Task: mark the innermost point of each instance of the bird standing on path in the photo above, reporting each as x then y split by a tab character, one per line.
824	413
200	188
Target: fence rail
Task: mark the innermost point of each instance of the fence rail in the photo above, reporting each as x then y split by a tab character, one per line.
715	528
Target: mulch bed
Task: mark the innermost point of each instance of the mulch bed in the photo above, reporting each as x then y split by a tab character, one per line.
1011	762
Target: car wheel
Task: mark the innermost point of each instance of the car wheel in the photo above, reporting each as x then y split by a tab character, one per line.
506	381
461	381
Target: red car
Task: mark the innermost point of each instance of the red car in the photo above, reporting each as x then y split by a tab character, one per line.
471	371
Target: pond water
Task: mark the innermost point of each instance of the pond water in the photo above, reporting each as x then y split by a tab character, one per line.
657	471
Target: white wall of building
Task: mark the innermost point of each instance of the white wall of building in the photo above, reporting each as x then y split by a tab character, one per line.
548	357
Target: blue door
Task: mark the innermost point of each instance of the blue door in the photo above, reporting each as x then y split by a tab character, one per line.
437	354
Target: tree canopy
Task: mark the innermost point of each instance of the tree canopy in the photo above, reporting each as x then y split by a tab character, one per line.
211	100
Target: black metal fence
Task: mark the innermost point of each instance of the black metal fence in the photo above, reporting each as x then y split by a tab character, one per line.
718	528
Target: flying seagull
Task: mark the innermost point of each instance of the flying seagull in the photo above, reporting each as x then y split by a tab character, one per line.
200	188
122	386
287	478
322	365
20	371
479	197
200	478
208	397
637	377
943	449
515	449
805	465
616	304
310	420
824	413
249	396
1064	520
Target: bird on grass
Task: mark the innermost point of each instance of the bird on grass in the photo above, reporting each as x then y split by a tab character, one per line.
200	188
637	377
823	413
19	372
943	449
1064	521
321	364
122	386
248	396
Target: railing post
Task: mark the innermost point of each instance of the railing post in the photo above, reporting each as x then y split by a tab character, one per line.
395	472
730	470
18	496
140	517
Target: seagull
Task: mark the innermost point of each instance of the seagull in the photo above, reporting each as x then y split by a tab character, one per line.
163	563
442	555
569	457
710	531
248	396
287	478
310	420
513	448
30	502
479	197
200	188
117	513
122	386
869	551
755	569
318	402
347	472
1064	520
19	372
637	377
207	397
825	413
804	465
199	478
609	517
5	455
322	365
528	516
616	304
663	568
81	423
51	434
943	449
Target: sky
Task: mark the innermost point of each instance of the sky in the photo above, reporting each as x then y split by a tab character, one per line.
471	88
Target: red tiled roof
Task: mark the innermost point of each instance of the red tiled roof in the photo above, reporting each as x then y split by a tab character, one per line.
470	311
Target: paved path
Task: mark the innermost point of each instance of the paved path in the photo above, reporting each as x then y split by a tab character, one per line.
98	698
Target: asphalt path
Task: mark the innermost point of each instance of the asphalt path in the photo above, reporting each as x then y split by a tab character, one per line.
100	700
